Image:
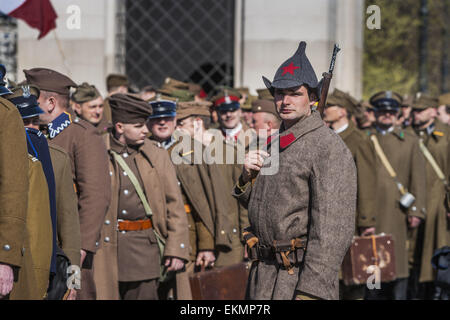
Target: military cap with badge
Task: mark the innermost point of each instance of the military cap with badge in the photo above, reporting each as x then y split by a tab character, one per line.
226	99
25	98
386	101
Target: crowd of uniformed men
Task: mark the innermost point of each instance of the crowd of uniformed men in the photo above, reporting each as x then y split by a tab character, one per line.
95	179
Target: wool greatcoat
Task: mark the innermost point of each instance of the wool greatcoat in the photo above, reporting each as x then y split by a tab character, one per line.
169	219
312	196
234	219
364	156
402	150
14	184
68	229
437	226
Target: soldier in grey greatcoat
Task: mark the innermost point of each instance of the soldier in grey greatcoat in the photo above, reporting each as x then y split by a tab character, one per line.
304	210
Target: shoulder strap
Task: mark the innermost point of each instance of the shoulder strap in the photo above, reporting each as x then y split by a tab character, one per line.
432	162
160	240
386	163
134	181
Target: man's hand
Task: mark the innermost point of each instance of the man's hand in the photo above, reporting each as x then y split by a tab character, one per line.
205	258
174	264
414	222
83	256
6	279
252	164
364	231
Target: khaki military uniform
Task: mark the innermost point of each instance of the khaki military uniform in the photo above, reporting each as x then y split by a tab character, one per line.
133	257
88	158
235	218
68	228
199	213
402	150
14	186
39	226
364	156
436	229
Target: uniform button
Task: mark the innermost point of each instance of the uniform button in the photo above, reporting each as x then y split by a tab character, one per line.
189	225
179	183
125	174
96	244
125	155
222	232
23	251
123	232
76	120
124	212
110	173
6	247
414	208
234	230
107	239
125	192
107	222
424	210
182	246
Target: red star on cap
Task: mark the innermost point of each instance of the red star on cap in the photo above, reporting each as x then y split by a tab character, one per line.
289	69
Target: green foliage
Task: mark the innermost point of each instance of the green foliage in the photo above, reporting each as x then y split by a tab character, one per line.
391	54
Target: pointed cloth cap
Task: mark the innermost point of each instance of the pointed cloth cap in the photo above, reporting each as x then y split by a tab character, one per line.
128	108
294	72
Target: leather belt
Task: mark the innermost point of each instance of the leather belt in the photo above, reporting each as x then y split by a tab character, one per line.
187	208
128	225
265	253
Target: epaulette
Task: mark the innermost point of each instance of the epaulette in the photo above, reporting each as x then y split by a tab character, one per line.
83	123
438	133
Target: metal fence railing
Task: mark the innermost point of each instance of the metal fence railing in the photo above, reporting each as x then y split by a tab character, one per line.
189	40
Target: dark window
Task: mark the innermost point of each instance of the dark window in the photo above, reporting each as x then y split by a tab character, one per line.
189	40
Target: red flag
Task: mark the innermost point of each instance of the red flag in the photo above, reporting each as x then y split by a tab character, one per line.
38	14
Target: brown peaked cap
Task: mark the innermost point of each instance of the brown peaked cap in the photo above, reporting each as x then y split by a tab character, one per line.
128	108
49	80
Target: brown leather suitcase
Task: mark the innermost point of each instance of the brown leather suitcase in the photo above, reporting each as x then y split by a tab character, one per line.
356	267
226	283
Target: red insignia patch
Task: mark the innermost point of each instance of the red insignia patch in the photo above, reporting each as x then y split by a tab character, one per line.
289	69
269	140
287	140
